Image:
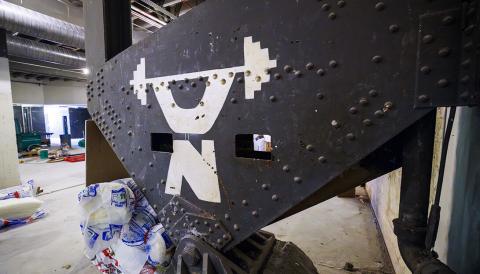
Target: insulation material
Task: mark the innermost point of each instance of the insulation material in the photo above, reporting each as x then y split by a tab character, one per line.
19	208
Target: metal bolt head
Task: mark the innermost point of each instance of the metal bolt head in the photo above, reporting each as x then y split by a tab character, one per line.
298	74
321	72
309	147
341	3
447	20
286	168
244	202
277	76
254	213
332	15
466	63
287	68
227	216
379	114
380	6
353	110
444	52
233	100
443	83
427	39
469	29
333	63
297	180
265	186
373	93
274	197
322	159
363	101
350	136
325	7
468	46
423	98
272	98
320	96
465	79
309	66
464	95
425	69
236	227
393	28
335	124
377	59
367	122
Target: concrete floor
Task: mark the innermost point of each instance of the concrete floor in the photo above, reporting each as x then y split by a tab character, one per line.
332	233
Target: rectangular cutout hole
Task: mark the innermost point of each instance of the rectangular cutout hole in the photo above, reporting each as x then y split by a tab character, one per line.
253	146
162	142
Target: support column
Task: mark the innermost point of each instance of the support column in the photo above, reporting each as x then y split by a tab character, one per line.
108	31
9	175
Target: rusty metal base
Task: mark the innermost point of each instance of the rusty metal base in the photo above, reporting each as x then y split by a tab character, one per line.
260	253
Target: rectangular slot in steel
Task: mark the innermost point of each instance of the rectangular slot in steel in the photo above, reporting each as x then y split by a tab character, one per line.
162	142
253	146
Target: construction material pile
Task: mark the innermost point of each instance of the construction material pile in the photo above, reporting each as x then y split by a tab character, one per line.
121	229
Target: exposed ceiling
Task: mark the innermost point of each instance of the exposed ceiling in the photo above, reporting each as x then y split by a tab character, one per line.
147	17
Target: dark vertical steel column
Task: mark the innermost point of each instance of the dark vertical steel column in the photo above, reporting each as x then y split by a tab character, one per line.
411	225
3	43
108	30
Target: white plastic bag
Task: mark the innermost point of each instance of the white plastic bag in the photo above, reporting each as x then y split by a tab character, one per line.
104	209
158	247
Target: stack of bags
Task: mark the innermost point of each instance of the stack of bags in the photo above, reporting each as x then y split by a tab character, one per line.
121	230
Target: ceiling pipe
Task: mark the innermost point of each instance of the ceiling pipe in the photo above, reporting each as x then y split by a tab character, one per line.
33	50
15	18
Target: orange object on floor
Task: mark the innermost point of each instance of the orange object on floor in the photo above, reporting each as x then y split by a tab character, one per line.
75	158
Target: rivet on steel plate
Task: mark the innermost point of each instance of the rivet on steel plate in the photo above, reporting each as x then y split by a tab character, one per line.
380	6
393	28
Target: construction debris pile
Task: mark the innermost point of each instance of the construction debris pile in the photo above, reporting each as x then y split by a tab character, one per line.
121	229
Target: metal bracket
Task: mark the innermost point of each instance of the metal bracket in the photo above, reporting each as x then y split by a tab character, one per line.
180	217
195	256
446	47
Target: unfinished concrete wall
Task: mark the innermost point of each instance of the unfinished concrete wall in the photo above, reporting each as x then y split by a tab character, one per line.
458	235
26	93
60	93
55	93
9	175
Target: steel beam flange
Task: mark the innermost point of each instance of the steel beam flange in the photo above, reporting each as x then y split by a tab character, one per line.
445	72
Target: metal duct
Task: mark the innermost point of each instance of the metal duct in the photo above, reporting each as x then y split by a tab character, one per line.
19	19
29	49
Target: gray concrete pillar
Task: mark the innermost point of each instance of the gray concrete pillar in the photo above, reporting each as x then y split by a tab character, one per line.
9	175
